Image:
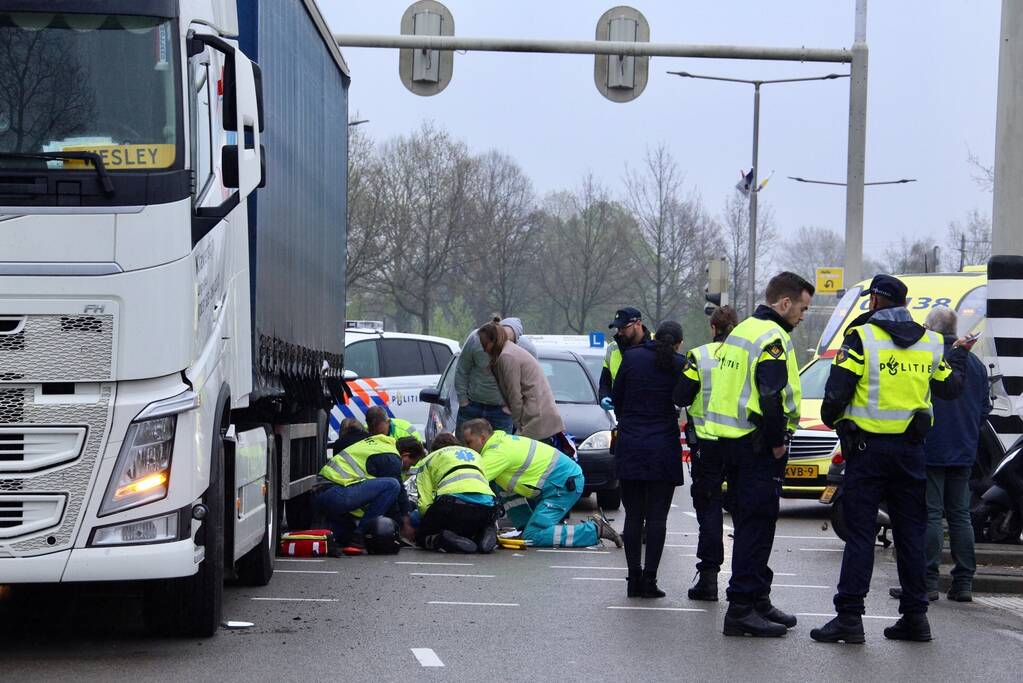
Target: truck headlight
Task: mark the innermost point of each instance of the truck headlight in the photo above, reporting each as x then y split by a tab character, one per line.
597	441
142	472
160	529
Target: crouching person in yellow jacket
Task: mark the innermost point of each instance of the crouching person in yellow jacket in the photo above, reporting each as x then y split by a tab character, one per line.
457	510
550	480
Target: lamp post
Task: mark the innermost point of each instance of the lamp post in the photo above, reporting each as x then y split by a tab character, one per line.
756	83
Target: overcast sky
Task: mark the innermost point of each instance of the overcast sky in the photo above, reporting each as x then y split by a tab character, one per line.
931	101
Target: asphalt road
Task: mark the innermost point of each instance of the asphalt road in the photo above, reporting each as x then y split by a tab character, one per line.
514	615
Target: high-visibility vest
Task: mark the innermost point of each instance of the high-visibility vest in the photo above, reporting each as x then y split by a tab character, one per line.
895	382
349	466
613	358
734	396
702	360
450	470
401	428
519	464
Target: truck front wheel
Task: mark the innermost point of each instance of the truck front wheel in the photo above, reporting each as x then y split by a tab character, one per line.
192	606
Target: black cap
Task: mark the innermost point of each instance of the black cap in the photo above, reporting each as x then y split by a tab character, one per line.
891	288
624	316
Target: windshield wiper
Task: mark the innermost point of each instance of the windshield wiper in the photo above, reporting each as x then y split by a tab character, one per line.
96	159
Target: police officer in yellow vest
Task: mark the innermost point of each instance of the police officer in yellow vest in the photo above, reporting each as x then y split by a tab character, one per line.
707	467
550	480
878	397
750	407
631	331
361	482
379	422
457	508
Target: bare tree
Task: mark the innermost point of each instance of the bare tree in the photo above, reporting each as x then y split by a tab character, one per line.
968	243
425	186
43	91
503	238
735	219
983	174
675	236
366	244
583	256
918	256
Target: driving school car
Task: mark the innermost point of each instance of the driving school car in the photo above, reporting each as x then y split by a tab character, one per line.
815	446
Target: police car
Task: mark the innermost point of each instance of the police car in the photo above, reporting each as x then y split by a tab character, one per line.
389	369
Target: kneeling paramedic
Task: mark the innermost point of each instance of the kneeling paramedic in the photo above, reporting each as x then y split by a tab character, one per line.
456	505
362	481
878	399
550	480
379	422
752	399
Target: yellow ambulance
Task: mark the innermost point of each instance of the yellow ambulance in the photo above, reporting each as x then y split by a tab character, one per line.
814	446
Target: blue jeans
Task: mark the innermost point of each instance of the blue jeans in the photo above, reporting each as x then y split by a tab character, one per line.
497	418
374	496
948	492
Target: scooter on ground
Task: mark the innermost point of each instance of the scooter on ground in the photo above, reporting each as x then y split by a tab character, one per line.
833	496
998	516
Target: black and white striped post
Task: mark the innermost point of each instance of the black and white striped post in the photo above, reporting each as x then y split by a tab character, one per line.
1005	327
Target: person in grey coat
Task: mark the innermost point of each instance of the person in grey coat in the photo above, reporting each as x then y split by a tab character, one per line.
476	387
513	326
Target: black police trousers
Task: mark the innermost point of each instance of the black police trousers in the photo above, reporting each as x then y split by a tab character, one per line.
454	514
754	479
708	473
893	468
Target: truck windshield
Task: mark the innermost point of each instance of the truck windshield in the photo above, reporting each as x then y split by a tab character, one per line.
88	83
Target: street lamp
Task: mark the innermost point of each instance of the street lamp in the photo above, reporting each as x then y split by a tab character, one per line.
357	122
751	279
900	181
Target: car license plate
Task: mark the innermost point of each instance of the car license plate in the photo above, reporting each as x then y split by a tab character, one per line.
828	494
801	471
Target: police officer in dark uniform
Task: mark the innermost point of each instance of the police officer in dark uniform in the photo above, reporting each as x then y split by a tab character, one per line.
878	398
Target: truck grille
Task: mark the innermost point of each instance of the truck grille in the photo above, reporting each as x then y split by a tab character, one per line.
56	348
49	451
808	444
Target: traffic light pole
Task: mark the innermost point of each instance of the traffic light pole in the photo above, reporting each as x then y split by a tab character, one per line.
751	280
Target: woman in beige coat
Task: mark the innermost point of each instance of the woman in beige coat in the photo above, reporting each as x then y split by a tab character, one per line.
526	391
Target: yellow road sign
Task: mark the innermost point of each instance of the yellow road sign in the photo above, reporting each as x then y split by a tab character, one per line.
830	280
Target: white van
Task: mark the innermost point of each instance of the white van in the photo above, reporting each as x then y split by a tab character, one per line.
388	369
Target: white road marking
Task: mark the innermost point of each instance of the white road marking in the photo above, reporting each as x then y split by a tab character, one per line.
442	564
303	571
678	533
724	571
585	552
693	515
567	566
597	578
660	609
455	576
426	656
288	559
296	599
795	585
1010	634
813	538
478	604
679	545
823	550
865	616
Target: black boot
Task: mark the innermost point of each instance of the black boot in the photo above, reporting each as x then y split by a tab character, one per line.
488	540
453	543
706	586
743	620
634	586
844	627
768	611
648	588
913	627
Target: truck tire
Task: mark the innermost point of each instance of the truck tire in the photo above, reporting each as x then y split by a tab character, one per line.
256	567
192	606
610	499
